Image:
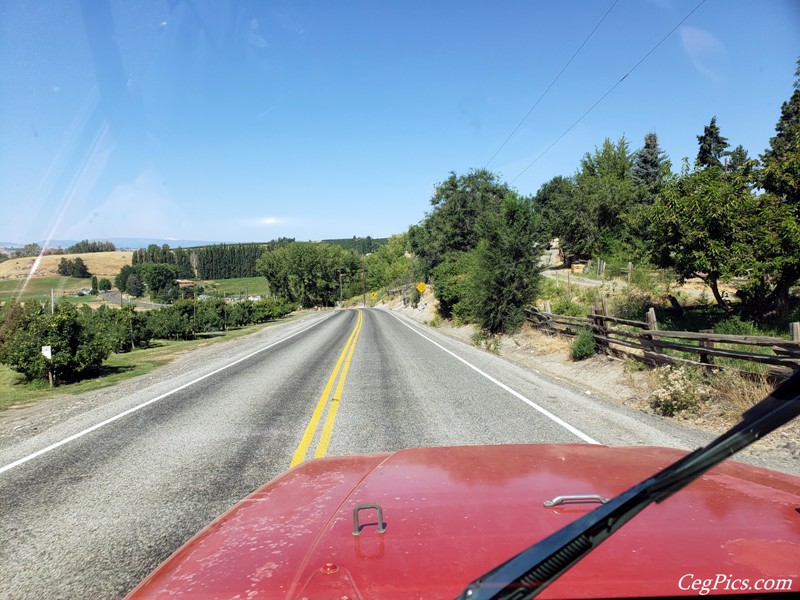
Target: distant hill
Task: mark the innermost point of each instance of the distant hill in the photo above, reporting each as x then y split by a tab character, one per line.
120	243
102	264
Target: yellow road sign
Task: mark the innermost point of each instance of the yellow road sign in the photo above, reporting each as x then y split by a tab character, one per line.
373	295
421	287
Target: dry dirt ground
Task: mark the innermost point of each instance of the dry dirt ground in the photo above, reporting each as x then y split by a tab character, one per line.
617	380
102	264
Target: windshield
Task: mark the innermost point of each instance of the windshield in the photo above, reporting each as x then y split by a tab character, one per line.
239	236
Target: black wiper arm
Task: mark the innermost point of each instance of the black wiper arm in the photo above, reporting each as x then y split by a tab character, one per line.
532	570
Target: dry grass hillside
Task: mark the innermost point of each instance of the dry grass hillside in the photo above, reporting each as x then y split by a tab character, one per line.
102	264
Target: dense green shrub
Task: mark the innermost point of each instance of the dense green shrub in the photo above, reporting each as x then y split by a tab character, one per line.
451	281
736	326
632	305
565	305
583	346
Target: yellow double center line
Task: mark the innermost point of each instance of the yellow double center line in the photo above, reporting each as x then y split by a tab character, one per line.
340	370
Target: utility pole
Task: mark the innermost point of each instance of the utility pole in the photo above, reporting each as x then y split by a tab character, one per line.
364	282
52	306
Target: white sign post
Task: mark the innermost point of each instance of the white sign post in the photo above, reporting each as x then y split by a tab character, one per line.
47	351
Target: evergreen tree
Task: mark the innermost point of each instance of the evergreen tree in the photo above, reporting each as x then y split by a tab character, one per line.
650	167
740	162
507	264
780	178
713	147
781	173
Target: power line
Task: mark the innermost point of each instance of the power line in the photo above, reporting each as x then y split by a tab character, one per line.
552	83
611	89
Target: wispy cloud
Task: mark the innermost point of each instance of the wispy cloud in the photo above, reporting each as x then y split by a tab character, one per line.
704	49
268	221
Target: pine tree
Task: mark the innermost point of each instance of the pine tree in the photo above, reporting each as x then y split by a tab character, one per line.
781	173
713	147
650	166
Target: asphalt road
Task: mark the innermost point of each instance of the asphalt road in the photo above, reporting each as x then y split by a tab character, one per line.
97	510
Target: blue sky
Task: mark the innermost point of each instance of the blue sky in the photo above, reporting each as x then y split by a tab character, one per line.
251	120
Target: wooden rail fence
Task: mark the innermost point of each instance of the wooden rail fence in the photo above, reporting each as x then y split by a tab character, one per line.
644	341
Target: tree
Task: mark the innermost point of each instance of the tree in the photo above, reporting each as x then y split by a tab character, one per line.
172	322
79	269
594	222
554	202
713	147
121	280
700	227
77	347
459	203
780	179
390	264
28	250
159	278
740	162
507	266
13	317
780	175
134	286
308	272
104	284
95	291
93	246
73	268
650	168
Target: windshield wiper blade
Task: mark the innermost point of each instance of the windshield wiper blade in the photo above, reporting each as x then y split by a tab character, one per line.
533	569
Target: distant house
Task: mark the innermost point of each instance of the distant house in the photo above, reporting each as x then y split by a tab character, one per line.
186	284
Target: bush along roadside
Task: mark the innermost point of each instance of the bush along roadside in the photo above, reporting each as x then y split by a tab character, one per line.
583	346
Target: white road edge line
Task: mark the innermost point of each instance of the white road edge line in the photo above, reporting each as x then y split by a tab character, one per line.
74	437
531	403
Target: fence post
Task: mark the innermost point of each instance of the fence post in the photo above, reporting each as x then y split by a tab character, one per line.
630	270
547	307
652	325
706	359
794	328
601	325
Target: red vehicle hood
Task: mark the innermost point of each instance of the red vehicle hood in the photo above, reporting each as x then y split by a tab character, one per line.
451	514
